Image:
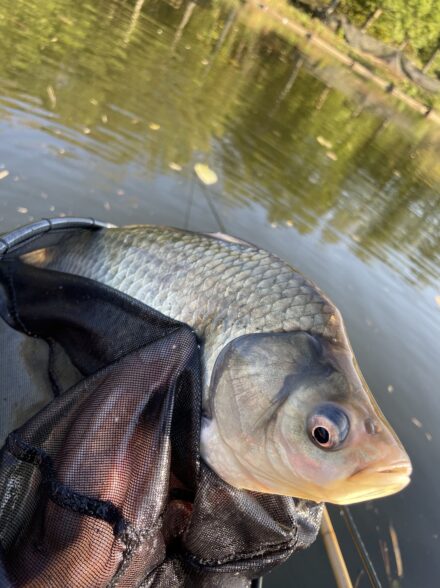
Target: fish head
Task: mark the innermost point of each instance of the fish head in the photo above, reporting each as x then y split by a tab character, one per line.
291	414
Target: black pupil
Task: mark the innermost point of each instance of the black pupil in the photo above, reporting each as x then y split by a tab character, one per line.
321	435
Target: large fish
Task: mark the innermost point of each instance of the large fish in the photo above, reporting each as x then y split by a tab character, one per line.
285	407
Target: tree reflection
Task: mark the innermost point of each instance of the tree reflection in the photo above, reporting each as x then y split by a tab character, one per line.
240	96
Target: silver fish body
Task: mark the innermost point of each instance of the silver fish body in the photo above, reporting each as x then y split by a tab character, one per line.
223	289
286	409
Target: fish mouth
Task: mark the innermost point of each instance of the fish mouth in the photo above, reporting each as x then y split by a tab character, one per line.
375	481
402	469
384	479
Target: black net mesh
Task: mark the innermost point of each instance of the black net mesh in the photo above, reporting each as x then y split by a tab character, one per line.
104	486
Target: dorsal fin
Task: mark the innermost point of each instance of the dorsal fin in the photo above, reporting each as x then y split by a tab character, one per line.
230	239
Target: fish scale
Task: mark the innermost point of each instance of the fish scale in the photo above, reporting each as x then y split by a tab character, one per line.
197	279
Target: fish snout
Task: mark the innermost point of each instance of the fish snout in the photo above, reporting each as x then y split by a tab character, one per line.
395	471
383	466
388	475
395	462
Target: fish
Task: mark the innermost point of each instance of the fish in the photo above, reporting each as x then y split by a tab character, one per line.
285	407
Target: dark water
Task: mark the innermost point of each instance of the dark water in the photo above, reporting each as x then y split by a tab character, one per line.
105	107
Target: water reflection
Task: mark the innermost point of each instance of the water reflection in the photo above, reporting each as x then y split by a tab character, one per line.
105	107
248	101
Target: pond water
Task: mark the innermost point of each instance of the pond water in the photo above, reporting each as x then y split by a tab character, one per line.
106	107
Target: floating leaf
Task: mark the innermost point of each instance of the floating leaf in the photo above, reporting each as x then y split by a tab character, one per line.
205	174
324	142
22	210
175	166
154	126
52	96
437	299
332	155
396	549
416	422
4	174
65	20
385	556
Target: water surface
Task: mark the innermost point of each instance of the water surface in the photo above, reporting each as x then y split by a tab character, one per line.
106	107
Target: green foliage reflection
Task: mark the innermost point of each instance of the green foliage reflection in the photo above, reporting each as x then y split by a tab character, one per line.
262	113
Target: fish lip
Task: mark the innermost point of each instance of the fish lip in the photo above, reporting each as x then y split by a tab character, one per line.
395	469
399	469
369	485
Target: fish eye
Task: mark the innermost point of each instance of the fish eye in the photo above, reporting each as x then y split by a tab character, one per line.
321	435
328	426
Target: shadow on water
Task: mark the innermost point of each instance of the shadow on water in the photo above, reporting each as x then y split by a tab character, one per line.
105	107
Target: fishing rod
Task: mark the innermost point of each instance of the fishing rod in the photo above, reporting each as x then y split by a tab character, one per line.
334	553
361	549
